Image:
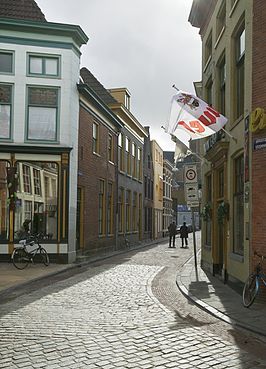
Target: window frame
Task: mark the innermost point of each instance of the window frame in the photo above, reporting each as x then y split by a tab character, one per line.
238	199
57	113
208	49
222	85
12	53
128	210
121	204
44	58
110	148
239	63
101	208
11	107
221	20
95	138
110	208
121	155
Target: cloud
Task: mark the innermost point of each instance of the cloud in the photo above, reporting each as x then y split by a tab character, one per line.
146	46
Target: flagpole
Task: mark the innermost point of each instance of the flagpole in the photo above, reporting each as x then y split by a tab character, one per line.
229	134
181	109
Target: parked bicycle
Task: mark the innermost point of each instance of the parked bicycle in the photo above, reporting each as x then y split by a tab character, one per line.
253	283
27	250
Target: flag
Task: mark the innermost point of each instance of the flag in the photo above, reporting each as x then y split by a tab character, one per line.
194	116
181	147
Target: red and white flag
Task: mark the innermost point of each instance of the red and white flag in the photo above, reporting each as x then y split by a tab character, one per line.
193	116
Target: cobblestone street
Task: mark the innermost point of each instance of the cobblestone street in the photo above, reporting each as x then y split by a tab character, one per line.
123	312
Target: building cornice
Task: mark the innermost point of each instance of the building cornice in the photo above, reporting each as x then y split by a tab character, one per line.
46	28
15	148
128	118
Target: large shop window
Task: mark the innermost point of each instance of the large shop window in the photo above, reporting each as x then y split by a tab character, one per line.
38	209
42	113
4	201
36	201
5	111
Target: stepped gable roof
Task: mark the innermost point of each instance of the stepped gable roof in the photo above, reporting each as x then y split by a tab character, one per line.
21	9
96	86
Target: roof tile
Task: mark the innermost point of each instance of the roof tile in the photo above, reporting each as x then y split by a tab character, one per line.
21	9
96	86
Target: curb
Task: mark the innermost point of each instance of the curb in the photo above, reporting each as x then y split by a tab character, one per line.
211	310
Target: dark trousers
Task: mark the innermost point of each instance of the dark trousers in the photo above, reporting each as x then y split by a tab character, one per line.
184	239
172	239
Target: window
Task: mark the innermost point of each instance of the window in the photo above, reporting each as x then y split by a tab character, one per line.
43	65
239	206
208	49
139	164
121	151
110	207
42	113
128	156
95	138
120	210
149	162
220	22
6	62
240	71
26	179
135	199
209	199
35	199
110	148
5	111
101	207
221	183
209	91
134	153
27	210
222	78
128	210
37	182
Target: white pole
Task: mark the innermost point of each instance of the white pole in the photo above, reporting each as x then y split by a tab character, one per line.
229	134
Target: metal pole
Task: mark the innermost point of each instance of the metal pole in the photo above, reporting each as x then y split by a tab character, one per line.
194	238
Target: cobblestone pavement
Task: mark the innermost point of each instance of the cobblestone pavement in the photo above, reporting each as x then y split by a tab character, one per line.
123	312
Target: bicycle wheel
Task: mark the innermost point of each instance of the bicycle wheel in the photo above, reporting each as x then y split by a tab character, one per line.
20	258
250	290
44	257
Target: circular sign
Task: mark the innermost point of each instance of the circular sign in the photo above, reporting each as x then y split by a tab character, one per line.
191	174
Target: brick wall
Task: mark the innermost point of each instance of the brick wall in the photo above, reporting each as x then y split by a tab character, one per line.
91	168
258	222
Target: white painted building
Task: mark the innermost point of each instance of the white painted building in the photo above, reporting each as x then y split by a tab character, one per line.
39	112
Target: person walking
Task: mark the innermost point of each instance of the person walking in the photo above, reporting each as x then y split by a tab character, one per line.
184	234
172	233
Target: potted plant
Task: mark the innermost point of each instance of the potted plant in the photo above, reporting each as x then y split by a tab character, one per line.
206	212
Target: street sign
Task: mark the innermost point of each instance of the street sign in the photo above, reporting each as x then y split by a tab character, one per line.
190	174
193	204
191	192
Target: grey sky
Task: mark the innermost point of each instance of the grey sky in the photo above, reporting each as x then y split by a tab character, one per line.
144	45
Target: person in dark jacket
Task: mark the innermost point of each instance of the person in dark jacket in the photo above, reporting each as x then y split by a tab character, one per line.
172	233
184	234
